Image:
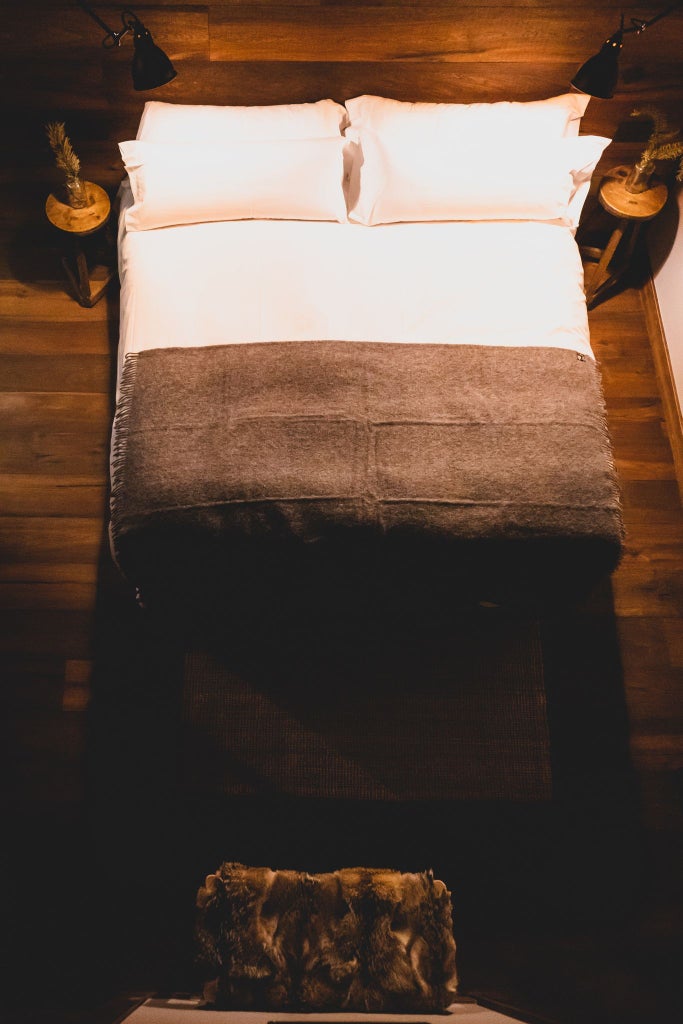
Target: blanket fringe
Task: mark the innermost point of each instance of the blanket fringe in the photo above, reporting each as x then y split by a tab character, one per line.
608	451
119	449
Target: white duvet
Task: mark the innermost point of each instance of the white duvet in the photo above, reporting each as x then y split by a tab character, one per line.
514	283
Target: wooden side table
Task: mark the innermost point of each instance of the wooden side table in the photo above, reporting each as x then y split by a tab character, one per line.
633	210
88	283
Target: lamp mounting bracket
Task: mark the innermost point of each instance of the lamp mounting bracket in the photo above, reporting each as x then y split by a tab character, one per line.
638	25
129	21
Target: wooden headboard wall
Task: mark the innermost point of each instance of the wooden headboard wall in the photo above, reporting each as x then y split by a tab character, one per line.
258	51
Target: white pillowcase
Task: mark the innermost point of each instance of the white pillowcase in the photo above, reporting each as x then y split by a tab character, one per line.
473	180
556	117
296	179
191	122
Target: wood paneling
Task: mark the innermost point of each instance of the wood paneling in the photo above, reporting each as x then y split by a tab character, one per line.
62	32
57	492
25	337
34	302
55	571
665	377
39	539
58	588
263	52
58	372
453	33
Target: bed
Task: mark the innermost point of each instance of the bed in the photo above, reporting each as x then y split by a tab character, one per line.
357	336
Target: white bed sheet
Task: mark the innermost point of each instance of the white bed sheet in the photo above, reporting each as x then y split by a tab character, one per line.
493	283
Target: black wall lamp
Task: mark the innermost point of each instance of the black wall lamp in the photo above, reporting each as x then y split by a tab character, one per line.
598	76
151	67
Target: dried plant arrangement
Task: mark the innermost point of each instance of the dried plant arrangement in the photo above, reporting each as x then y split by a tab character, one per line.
67	162
664	144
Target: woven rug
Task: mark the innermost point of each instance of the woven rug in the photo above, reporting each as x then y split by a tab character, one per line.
452	711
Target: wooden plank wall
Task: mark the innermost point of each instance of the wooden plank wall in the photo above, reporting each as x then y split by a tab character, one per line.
55	408
56	359
255	51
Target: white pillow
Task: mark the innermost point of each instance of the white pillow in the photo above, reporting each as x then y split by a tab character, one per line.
473	181
190	122
556	117
296	179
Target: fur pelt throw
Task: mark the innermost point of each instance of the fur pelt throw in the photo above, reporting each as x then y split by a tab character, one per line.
359	939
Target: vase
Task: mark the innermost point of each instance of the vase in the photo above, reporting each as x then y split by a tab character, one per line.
76	195
638	178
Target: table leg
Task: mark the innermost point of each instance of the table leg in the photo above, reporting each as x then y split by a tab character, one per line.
603	277
606	276
88	290
83	276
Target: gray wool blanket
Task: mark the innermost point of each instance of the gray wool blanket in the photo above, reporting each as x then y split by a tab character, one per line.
488	462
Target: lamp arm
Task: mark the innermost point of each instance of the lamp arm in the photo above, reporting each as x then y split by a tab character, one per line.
128	19
638	26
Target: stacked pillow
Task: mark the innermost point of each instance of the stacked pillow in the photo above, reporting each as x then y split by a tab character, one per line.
194	163
556	117
288	179
395	162
477	161
200	124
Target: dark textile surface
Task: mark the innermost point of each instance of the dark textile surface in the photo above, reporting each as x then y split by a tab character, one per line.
448	452
362	939
456	713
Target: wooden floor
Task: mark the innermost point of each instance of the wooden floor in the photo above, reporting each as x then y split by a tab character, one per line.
56	382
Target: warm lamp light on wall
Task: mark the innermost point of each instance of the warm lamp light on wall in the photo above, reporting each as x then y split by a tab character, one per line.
598	76
151	67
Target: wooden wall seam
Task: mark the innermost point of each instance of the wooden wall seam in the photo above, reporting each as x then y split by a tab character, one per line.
673	416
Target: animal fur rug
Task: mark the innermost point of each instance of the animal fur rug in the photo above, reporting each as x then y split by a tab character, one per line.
359	939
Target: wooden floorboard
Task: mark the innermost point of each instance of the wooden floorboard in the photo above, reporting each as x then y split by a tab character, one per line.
56	382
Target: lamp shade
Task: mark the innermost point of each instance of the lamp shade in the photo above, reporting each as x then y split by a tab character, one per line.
598	76
151	66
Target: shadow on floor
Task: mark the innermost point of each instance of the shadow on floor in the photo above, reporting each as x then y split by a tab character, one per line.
534	882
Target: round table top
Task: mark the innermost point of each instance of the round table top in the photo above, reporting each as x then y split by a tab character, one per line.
81	221
630	205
